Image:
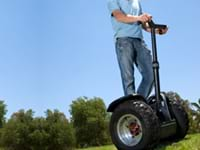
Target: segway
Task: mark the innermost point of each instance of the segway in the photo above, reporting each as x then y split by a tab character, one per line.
138	123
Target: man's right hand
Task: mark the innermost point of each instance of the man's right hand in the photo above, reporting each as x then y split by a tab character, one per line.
144	18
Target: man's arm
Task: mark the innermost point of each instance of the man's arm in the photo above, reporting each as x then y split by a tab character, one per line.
143	18
126	18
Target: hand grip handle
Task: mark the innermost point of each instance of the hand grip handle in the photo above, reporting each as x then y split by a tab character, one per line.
156	26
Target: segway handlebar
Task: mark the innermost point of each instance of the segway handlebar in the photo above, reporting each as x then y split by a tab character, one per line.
156	26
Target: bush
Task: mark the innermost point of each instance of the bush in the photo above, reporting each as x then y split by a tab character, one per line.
2	113
60	131
23	132
89	118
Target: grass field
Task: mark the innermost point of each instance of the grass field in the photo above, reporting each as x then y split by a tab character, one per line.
190	142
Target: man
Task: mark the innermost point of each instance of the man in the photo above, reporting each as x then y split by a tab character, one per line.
128	21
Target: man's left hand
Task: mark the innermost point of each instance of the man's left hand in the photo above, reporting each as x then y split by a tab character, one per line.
161	31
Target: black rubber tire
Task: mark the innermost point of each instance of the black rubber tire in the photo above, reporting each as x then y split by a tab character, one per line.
149	122
179	113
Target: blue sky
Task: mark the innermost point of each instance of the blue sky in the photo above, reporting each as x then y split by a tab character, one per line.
54	51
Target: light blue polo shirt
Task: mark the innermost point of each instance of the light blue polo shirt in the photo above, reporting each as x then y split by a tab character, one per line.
131	7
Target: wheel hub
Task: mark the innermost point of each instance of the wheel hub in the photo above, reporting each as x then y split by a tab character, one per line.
134	128
129	129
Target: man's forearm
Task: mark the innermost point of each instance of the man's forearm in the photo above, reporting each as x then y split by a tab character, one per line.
121	17
126	18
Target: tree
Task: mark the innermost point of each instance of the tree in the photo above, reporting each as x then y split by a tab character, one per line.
2	113
196	117
24	132
38	135
89	118
60	130
15	132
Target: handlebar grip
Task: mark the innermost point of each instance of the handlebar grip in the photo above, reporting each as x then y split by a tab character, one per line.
156	26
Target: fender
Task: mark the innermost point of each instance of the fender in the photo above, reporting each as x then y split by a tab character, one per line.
123	99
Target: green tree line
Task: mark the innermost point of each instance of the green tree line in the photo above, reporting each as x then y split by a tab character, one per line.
88	126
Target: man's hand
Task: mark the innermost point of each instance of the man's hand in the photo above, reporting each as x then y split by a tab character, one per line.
158	31
161	31
144	18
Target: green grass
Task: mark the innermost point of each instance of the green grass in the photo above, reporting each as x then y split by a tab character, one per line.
110	147
190	142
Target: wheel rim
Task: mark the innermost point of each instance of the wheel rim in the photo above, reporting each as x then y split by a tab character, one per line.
129	130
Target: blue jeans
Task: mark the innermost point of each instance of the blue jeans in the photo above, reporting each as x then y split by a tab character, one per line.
132	51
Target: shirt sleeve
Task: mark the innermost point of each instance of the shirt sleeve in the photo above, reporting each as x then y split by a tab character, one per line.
113	5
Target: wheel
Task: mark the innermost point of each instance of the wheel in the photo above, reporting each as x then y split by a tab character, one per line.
179	113
134	126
